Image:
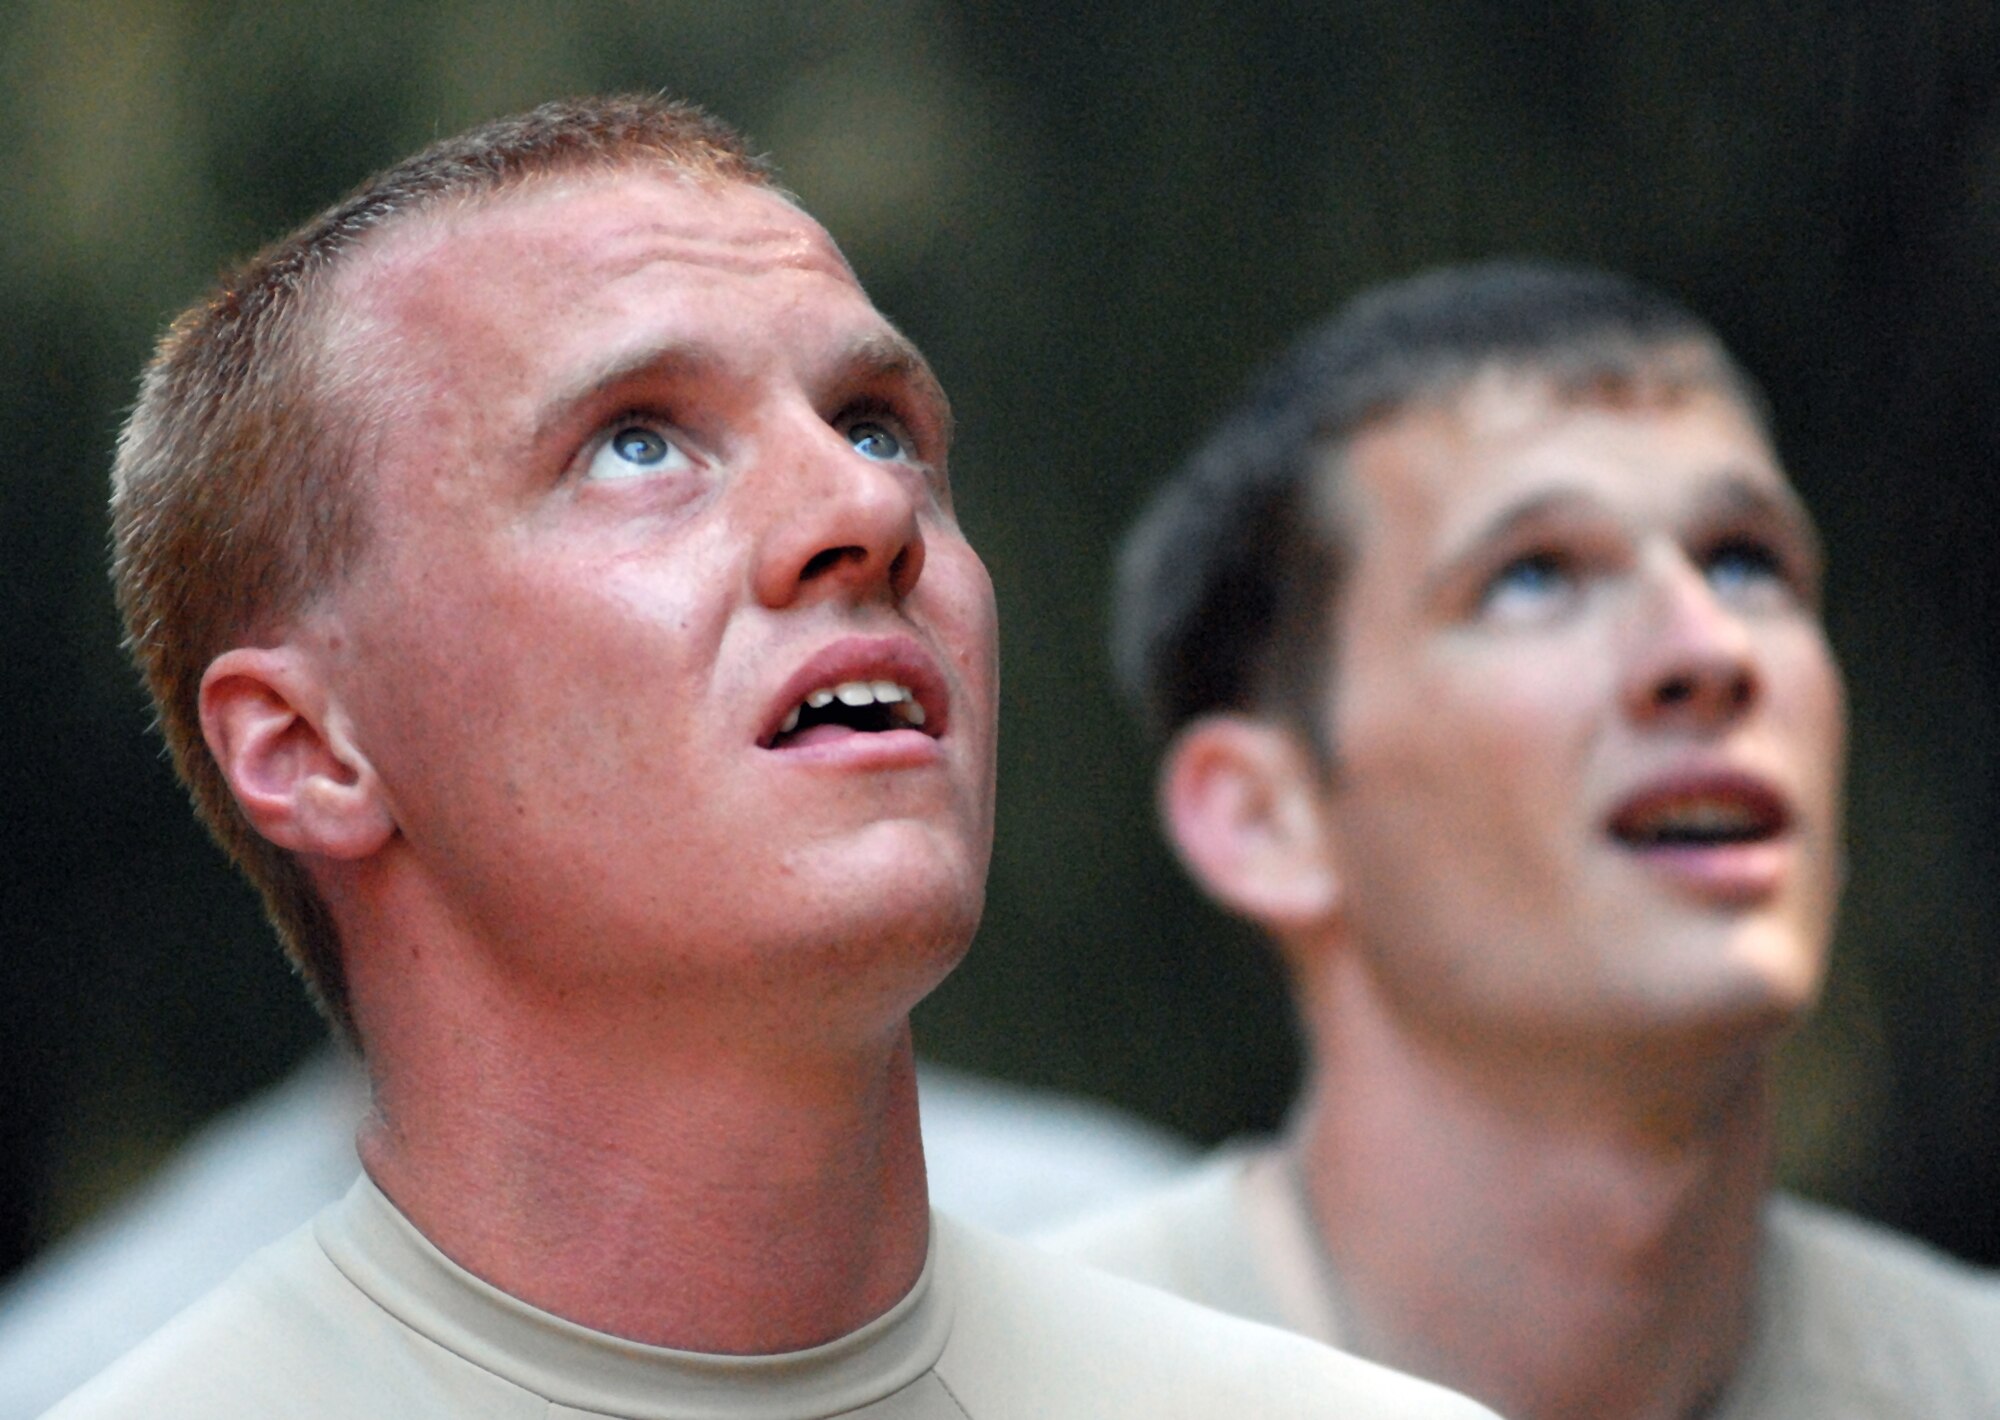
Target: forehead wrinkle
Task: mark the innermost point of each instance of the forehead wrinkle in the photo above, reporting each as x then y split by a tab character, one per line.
791	246
790	237
439	248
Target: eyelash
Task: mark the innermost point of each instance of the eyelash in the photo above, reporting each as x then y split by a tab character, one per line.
866	410
1549	562
882	411
1773	562
1764	558
608	430
1751	548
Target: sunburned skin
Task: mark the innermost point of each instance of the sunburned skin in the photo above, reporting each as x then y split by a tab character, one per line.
649	475
620	451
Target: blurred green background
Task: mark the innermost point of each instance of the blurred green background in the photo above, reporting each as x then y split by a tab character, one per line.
1094	219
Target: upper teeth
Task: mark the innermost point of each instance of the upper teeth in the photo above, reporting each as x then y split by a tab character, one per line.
856	693
1712	816
1695	820
1703	817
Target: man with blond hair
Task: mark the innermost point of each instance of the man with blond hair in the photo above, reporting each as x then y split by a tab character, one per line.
545	567
1484	637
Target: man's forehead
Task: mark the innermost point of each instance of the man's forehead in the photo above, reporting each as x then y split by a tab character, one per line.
1449	446
515	310
1500	399
588	229
545	277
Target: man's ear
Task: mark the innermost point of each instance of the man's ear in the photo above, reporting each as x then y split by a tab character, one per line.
1242	802
288	756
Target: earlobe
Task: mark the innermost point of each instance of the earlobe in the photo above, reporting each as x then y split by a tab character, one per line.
293	767
1242	803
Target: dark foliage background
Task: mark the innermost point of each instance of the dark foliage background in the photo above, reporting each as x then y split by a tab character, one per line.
1094	219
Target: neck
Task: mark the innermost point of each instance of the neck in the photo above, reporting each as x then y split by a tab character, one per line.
1556	1230
664	1173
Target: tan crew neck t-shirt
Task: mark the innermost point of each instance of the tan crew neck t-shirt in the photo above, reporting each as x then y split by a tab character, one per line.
357	1315
1853	1321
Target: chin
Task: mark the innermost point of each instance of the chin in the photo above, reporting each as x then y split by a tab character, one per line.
903	876
1764	985
916	910
872	964
1784	966
931	922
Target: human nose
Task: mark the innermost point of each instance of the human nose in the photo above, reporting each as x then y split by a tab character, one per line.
1694	661
845	524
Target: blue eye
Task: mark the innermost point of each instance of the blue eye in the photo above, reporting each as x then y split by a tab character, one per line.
874	440
634	451
1528	587
641	446
1740	566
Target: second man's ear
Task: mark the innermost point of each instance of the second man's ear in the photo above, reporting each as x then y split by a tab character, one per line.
1243	803
287	754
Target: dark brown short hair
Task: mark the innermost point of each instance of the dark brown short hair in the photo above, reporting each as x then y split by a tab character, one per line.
1227	582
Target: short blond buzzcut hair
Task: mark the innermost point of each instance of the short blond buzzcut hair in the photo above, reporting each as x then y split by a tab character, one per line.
233	494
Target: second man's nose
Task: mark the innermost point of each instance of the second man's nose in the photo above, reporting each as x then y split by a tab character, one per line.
1692	656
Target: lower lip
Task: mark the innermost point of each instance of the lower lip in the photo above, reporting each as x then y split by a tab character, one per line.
859	750
1729	874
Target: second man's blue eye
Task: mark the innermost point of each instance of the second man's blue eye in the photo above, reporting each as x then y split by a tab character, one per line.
874	441
1538	575
1737	566
1528	589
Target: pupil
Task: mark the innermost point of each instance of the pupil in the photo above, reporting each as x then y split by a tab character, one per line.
640	445
874	441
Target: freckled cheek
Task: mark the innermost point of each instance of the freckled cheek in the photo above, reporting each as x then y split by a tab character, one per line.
966	621
548	674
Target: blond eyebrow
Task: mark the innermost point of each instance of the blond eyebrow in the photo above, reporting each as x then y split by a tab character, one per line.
677	360
889	355
878	357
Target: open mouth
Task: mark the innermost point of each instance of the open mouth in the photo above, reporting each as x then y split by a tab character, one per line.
1717	816
866	707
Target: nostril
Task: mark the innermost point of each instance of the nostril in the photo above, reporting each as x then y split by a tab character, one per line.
1723	692
1677	690
827	559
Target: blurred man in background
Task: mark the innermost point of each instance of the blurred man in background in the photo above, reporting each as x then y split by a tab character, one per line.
1485	639
545	568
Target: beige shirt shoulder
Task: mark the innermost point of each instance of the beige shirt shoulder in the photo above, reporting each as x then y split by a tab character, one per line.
1854	1322
356	1315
